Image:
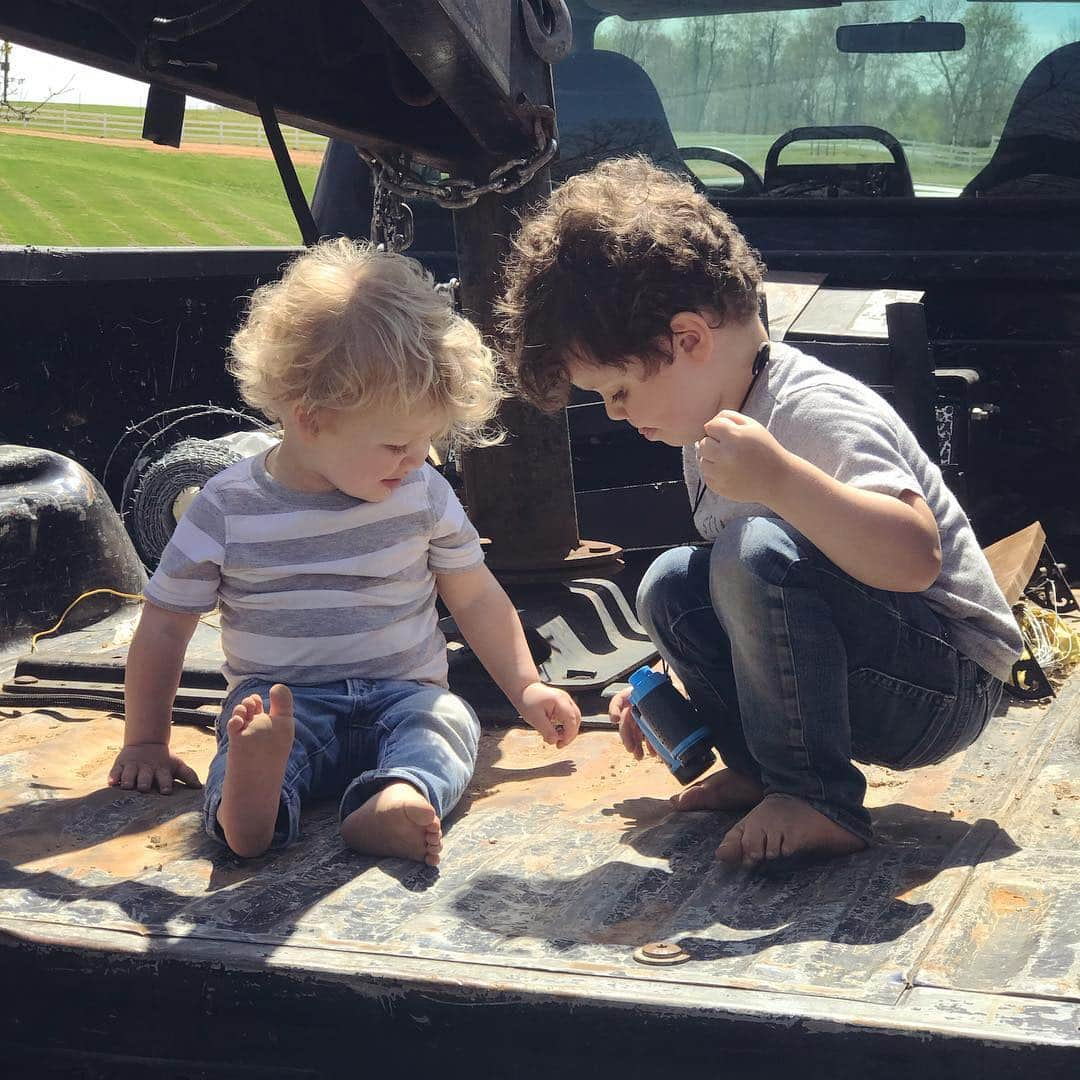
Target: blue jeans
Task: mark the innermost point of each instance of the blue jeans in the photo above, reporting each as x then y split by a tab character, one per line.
351	738
798	668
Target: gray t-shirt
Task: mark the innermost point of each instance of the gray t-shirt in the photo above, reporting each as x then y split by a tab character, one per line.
314	587
850	432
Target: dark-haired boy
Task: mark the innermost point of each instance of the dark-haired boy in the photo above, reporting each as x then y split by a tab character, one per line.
843	610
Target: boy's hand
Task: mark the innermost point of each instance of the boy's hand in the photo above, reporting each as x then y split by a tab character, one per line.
142	765
622	716
552	712
740	459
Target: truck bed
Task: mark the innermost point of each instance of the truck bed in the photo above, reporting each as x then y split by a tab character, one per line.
131	940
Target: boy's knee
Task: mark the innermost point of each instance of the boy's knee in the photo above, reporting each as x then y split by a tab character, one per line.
667	588
752	554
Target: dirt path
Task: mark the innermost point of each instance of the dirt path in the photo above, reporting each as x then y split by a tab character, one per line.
300	157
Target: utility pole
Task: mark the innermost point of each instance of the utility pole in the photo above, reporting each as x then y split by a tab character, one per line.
5	68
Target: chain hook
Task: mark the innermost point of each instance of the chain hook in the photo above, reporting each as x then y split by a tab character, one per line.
391	216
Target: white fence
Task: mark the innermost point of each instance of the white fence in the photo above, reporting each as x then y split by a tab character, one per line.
960	157
211	126
754	148
200	126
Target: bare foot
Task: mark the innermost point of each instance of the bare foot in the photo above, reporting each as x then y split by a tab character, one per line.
398	821
259	746
723	790
780	827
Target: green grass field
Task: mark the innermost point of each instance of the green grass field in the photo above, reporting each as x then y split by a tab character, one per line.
64	192
74	193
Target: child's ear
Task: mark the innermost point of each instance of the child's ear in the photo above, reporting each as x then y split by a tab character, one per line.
692	334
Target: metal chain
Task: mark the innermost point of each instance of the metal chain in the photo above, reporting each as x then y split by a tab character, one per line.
459	193
945	416
391	218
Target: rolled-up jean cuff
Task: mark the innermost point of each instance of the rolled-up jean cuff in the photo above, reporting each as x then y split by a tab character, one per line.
367	783
857	824
289	807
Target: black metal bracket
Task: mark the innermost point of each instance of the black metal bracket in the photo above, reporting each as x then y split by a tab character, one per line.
1049	587
163	119
290	181
583	635
1029	681
29	693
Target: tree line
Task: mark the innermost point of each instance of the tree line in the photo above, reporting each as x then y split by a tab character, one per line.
765	72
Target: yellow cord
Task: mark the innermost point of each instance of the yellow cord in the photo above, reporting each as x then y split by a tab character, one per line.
1054	643
112	592
78	600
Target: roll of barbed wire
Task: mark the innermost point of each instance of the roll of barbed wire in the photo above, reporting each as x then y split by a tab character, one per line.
165	485
162	483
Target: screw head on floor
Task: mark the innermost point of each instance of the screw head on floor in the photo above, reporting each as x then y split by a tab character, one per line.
661	952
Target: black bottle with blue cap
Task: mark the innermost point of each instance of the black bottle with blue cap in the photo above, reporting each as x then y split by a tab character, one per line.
671	725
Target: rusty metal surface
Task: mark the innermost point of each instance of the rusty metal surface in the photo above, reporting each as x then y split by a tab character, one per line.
1014	932
958	923
1016	928
565	865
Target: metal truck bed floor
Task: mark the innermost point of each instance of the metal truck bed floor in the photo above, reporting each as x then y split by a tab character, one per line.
951	944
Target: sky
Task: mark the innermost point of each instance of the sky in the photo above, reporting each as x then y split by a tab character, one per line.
42	74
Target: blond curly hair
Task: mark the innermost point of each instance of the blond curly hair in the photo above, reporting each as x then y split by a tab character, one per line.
349	326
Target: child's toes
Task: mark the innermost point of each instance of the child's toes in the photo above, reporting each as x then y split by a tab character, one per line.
244	710
420	812
774	846
754	843
281	700
731	847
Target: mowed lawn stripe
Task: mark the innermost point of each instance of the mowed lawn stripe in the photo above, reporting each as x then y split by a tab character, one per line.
155	229
250	215
236	217
184	204
33	223
247	209
98	207
106	195
239	199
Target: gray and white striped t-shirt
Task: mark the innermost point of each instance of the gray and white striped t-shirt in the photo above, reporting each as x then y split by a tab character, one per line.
317	587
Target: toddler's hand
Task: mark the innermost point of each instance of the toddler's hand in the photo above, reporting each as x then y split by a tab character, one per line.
622	716
552	712
739	458
142	765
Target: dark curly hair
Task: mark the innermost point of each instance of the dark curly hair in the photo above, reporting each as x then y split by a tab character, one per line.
598	271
